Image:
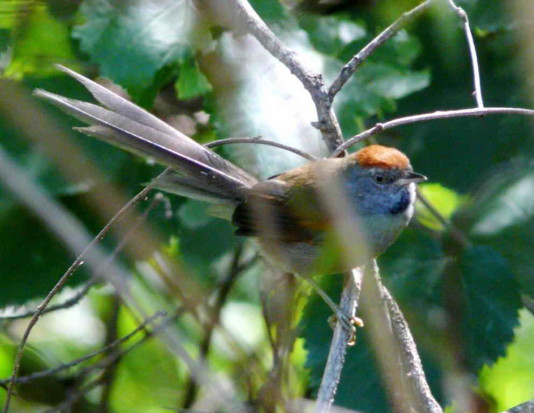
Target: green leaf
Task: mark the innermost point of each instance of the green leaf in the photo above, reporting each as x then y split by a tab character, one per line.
191	81
330	35
492	305
131	41
502	215
510	381
37	44
444	200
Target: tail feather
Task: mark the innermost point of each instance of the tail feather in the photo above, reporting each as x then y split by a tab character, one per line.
180	142
199	172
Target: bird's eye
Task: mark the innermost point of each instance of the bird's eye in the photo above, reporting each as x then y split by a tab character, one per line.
379	178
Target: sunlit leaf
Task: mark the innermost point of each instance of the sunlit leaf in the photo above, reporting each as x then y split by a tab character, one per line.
32	51
444	200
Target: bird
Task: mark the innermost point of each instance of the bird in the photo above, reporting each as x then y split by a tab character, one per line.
287	213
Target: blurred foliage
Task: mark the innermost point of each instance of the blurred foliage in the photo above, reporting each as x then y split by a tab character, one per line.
456	292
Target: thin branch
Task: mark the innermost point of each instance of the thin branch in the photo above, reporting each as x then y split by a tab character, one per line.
394	346
102	350
472	52
350	68
408	351
312	81
338	347
71	302
261	141
425	117
527	407
215	315
109	373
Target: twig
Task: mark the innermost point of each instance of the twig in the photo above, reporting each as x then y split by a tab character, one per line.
108	375
338	347
215	314
313	82
261	141
67	404
413	368
395	350
61	306
110	346
472	52
16	180
425	117
527	407
350	68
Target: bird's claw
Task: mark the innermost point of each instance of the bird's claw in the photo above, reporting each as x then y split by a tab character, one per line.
348	323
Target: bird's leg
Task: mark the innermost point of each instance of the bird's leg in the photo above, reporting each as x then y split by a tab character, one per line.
348	323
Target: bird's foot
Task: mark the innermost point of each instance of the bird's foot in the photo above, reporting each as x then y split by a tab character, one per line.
348	323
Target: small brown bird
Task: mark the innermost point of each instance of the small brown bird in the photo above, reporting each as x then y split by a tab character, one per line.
287	213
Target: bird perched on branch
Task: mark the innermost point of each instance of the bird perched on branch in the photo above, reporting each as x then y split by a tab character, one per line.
291	214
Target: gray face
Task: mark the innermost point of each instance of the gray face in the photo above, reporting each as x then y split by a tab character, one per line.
378	191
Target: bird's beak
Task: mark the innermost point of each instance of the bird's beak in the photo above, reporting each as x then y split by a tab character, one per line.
411	177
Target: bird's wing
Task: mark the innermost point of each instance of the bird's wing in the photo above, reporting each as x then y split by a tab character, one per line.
276	210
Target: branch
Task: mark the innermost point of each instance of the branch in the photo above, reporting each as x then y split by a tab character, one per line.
313	82
261	141
61	306
110	346
527	407
215	315
338	347
425	117
472	52
394	346
410	358
350	68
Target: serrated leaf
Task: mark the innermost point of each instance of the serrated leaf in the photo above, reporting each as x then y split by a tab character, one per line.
131	41
493	303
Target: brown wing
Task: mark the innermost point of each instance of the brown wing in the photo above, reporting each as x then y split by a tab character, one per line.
277	210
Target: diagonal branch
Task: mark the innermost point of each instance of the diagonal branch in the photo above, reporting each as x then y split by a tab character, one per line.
312	81
350	68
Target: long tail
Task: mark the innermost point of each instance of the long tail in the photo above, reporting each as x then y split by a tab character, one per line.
198	172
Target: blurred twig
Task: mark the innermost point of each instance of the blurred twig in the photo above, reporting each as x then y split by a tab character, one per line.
214	318
108	375
113	345
71	302
527	407
62	223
